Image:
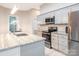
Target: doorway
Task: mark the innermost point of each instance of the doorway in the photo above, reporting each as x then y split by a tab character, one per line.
12	23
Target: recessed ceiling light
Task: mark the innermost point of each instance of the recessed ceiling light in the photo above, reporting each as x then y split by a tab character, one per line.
14	10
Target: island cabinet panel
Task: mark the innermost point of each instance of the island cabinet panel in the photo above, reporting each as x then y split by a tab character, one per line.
10	52
33	49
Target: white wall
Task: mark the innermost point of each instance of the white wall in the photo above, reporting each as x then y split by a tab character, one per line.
4	13
52	6
25	19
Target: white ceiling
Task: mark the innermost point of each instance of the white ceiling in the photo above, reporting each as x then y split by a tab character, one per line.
22	6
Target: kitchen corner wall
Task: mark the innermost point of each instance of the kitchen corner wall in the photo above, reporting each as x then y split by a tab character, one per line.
4	13
47	7
25	19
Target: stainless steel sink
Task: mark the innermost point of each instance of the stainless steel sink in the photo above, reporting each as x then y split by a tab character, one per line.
20	34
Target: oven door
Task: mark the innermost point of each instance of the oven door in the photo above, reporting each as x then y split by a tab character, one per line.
47	40
47	36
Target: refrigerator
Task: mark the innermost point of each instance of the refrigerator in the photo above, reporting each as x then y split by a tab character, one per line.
74	22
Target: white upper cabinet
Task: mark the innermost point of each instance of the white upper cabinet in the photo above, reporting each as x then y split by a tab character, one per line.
52	14
61	16
41	18
74	8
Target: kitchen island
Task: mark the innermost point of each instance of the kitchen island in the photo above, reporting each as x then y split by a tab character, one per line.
29	45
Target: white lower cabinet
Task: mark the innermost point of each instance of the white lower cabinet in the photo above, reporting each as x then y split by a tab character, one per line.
60	42
31	49
63	48
55	45
63	43
63	40
54	41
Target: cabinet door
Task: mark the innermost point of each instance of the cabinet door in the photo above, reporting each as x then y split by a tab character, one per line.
61	16
54	41
63	48
40	19
55	45
52	14
34	49
10	52
63	43
54	38
63	40
74	8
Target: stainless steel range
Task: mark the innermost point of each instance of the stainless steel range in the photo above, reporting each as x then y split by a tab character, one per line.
47	35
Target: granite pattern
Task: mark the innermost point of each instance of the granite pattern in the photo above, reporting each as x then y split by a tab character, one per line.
10	40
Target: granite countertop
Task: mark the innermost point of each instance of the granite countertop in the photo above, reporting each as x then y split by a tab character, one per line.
10	40
60	33
54	24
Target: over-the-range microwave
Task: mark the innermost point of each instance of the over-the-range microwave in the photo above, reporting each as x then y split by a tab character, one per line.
50	20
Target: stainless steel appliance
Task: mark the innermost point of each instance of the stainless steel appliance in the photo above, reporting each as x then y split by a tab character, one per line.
47	35
50	20
74	25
